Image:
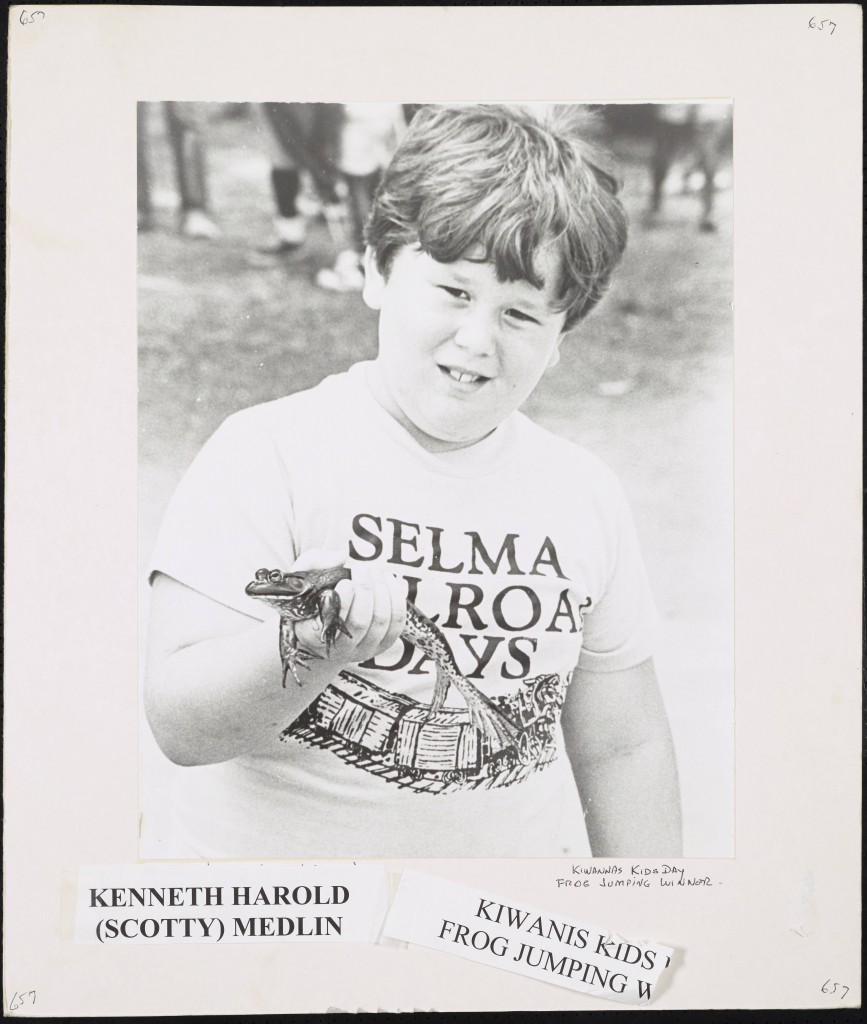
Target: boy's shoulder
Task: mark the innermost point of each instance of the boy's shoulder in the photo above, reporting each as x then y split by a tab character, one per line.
292	411
554	452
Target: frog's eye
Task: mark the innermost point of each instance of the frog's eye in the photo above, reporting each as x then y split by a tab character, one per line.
275	576
261	575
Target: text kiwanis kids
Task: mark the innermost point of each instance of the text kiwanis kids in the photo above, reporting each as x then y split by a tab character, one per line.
492	235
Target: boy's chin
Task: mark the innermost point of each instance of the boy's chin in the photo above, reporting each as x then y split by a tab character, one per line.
435	440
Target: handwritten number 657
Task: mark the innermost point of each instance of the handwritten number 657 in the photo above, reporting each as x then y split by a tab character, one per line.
18	999
820	25
830	988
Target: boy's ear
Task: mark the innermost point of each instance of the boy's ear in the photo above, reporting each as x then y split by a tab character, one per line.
554	358
374	282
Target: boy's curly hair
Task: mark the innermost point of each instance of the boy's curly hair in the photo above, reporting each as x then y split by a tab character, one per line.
508	181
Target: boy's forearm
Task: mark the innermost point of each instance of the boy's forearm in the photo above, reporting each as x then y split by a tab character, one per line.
619	744
222	697
631	802
213	689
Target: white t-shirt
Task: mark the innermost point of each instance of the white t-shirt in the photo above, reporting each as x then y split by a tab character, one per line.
520	547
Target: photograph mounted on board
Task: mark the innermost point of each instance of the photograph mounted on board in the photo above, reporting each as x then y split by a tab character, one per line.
435	480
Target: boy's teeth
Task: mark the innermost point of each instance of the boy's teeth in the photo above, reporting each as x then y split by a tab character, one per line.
464	378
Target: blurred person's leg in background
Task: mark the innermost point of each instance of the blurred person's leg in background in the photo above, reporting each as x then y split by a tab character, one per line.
290	226
670	130
186	123
347	274
144	184
696	134
364	139
713	132
301	137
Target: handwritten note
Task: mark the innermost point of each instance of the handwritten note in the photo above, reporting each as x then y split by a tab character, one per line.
634	876
821	23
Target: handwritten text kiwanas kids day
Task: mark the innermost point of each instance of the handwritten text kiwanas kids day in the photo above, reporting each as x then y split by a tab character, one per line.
632	876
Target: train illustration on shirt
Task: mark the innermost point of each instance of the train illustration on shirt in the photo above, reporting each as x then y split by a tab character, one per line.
398	739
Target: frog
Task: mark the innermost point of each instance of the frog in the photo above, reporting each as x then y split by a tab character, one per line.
309	594
297	597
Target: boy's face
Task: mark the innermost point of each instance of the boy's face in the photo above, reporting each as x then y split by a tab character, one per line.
459	350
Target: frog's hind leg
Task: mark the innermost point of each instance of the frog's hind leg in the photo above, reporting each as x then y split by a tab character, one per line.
441	689
291	655
329	616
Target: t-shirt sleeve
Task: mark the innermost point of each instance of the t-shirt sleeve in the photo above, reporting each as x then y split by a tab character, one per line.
620	630
230	515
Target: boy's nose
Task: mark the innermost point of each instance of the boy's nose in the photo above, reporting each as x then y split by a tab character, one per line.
477	334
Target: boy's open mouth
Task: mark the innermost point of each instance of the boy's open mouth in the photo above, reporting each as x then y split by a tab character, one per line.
463	376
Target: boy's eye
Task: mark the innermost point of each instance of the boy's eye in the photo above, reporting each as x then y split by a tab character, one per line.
516	314
455	293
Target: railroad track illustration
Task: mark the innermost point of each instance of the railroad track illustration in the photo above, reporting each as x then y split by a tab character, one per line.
397	738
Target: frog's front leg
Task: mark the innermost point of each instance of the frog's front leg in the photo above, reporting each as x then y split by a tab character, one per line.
329	616
291	655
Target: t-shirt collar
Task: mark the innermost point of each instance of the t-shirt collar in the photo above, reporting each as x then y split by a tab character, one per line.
480	459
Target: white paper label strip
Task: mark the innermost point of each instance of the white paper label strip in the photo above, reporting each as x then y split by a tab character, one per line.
194	903
505	933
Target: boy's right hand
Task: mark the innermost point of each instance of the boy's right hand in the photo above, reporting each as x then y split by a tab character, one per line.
372	606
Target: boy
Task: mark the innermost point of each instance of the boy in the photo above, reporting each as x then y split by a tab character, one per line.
491	236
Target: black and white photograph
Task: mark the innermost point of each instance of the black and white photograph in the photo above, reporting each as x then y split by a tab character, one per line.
437	555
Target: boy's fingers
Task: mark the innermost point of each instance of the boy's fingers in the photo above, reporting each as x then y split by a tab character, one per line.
309	631
356	609
319	558
372	617
345	591
372	606
383	615
373	614
397	591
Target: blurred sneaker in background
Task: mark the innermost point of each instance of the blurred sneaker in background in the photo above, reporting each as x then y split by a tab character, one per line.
197	224
308	202
345	276
290	234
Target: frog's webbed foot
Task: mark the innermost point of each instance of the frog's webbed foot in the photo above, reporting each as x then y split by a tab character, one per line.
292	656
297	659
329	616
